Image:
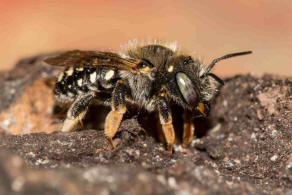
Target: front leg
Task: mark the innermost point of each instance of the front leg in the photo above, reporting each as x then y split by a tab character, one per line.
189	128
166	121
115	116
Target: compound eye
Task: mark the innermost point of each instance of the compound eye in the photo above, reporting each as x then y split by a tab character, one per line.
187	88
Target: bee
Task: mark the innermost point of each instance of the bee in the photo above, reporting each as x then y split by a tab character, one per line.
150	75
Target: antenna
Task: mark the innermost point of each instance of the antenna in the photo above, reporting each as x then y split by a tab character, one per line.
223	58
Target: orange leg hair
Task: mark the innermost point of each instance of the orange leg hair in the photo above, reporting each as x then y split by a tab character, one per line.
112	123
188	131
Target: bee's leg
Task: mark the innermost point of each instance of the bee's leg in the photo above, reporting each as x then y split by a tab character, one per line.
161	136
115	116
166	122
77	111
189	128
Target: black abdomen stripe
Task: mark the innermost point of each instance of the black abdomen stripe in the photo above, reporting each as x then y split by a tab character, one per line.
72	81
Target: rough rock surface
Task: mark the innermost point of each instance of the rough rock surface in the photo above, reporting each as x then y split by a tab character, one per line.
243	147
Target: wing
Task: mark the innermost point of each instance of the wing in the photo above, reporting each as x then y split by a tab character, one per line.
77	58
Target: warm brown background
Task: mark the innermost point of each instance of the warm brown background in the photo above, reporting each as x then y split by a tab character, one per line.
207	28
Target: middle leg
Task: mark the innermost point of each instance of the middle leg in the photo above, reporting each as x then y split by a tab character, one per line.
115	116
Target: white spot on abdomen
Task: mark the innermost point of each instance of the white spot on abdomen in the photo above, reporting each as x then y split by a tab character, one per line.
79	82
109	74
70	71
92	77
80	69
60	77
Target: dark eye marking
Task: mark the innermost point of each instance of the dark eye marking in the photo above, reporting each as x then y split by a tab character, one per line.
144	63
187	88
188	60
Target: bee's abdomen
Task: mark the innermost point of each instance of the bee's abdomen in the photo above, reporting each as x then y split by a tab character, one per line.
75	81
70	82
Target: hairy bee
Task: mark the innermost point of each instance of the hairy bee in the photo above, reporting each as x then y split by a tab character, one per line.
152	76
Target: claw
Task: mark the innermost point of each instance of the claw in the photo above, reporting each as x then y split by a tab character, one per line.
169	148
110	141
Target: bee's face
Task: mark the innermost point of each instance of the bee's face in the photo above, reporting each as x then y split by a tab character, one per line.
183	81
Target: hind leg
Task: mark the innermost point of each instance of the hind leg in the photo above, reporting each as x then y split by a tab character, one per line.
77	111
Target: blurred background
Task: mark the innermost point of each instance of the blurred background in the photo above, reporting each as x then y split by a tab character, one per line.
207	29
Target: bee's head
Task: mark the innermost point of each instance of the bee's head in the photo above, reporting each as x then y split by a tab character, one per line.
190	84
183	81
